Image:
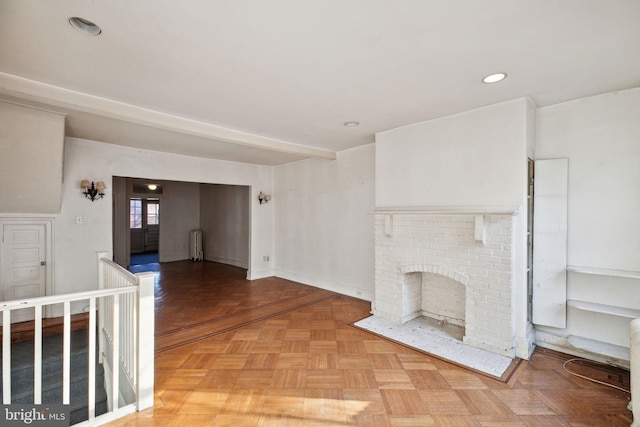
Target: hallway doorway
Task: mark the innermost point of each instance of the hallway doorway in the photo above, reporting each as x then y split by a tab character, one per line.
147	221
144	229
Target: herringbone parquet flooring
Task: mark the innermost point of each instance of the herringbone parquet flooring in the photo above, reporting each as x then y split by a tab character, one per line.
275	353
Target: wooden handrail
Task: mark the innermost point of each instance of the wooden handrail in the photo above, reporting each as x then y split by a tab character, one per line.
57	299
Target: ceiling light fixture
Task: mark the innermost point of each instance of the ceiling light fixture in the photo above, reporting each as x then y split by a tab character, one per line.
351	124
84	26
494	78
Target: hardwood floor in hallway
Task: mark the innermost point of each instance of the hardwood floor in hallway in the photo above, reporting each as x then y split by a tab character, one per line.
271	352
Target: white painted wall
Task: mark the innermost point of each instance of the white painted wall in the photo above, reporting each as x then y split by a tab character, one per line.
75	245
600	136
324	223
469	159
179	214
225	223
31	146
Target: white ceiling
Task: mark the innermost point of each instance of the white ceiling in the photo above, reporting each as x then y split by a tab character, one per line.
271	82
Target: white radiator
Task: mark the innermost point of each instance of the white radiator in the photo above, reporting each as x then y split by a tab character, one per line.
635	372
195	245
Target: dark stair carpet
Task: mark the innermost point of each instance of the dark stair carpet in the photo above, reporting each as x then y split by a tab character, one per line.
22	375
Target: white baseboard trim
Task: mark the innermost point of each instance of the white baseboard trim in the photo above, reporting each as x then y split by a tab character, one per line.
227	260
351	291
260	274
584	348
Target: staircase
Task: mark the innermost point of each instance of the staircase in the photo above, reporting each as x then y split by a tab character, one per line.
121	312
22	375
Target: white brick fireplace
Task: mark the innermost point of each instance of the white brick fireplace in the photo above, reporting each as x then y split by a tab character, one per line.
456	267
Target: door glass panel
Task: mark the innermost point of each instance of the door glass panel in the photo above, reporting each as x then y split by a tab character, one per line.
135	213
153	212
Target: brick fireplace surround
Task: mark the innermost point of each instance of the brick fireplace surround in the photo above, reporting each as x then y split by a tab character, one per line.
452	266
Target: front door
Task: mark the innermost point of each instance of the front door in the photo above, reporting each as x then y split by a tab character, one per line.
23	265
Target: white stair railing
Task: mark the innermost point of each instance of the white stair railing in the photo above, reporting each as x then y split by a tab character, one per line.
126	339
127	336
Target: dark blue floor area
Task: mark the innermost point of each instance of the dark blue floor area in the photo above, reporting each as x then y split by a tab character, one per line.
144	258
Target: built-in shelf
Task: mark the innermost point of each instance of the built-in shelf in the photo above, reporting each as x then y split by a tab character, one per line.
604	272
604	309
593	307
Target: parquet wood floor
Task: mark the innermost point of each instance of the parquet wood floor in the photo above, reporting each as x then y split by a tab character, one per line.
276	353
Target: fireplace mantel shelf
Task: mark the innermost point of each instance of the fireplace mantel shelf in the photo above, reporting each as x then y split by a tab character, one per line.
448	210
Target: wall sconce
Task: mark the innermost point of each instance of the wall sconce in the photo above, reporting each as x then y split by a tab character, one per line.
263	198
91	190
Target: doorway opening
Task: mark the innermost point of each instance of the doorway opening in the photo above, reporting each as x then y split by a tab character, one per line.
144	229
221	211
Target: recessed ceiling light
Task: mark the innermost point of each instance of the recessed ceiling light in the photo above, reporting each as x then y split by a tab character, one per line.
85	26
494	78
351	124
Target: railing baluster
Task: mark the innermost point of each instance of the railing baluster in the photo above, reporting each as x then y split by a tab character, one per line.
6	357
124	334
37	357
92	359
132	329
101	306
134	335
115	343
66	353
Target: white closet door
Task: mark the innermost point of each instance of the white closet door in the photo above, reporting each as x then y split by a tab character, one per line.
24	261
550	243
